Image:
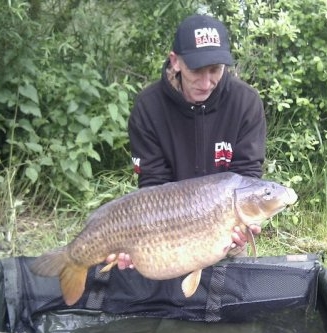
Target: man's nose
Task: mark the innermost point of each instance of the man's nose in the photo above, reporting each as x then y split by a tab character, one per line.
205	80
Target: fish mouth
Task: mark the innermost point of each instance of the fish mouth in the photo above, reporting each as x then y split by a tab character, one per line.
289	198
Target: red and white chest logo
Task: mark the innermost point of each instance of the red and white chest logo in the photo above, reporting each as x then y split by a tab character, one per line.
223	154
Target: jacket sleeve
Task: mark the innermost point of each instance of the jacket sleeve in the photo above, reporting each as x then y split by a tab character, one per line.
249	152
147	154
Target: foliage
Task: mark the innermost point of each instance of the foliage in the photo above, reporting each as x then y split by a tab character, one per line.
59	116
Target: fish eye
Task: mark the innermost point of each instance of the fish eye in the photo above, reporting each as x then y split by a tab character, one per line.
267	191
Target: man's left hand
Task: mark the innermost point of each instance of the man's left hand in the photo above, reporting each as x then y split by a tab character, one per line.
240	239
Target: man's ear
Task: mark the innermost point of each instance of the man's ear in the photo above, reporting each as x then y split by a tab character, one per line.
175	61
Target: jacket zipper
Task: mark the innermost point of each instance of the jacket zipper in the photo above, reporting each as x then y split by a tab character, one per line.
204	160
200	162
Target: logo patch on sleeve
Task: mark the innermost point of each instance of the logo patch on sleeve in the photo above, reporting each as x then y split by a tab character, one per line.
136	162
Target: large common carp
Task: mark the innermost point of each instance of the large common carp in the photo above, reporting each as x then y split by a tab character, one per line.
169	230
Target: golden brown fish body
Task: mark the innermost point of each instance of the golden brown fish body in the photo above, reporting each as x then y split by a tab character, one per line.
169	230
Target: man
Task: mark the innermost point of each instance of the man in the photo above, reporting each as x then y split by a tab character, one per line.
198	119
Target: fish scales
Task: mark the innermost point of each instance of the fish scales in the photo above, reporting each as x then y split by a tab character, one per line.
169	230
154	213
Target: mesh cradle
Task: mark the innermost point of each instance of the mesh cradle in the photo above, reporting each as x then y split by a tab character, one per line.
234	291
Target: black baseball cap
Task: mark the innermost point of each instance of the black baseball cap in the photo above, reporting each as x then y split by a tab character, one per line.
201	40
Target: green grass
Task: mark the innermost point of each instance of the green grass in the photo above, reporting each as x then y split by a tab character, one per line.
280	242
29	229
35	234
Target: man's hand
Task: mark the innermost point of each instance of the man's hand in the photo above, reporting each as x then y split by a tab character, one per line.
123	260
239	241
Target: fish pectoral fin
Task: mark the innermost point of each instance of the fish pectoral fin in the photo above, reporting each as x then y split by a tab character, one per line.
108	267
251	240
72	283
191	283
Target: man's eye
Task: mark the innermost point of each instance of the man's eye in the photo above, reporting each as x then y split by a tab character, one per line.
216	69
195	71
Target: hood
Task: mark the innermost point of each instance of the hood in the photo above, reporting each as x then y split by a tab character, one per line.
172	88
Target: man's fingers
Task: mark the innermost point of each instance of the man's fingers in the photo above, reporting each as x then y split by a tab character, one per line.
111	257
256	229
239	238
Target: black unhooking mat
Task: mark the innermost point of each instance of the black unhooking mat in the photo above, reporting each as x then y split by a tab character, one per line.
272	294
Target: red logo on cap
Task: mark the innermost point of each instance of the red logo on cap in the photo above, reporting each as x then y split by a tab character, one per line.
206	37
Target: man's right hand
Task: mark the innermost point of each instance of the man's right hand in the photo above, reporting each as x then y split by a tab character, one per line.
123	260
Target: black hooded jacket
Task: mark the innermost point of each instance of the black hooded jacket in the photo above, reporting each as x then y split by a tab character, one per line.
172	139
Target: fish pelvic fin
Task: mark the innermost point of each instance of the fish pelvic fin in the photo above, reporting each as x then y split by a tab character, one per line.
72	277
191	283
251	240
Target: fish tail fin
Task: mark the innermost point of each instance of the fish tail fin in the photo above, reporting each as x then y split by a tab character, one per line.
72	283
72	276
51	263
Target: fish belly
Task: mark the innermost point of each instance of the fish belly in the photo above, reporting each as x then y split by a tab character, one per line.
170	259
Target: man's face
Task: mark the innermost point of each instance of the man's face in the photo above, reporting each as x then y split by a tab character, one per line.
198	84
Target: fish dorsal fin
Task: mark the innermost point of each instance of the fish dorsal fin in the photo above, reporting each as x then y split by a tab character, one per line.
251	240
191	282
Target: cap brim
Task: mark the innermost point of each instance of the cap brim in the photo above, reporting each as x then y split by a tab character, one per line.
206	58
